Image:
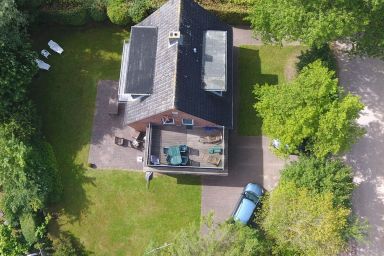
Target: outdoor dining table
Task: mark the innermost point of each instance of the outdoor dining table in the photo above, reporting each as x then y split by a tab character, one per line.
175	155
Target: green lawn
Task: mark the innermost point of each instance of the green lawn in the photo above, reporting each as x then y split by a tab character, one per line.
111	212
260	65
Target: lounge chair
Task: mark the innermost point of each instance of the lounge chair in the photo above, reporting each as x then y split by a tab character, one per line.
45	53
212	159
55	47
211	139
42	65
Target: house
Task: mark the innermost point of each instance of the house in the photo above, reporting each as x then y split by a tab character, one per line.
176	82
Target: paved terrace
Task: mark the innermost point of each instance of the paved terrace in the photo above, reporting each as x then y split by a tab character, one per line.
103	152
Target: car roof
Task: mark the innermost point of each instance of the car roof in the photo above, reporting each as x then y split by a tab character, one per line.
245	211
254	188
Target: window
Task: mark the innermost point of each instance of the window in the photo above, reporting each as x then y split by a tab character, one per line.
168	120
186	121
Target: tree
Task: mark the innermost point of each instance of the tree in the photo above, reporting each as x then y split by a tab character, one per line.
303	223
318	22
139	9
12	25
224	239
11	243
69	245
17	67
310	114
118	12
319	176
28	175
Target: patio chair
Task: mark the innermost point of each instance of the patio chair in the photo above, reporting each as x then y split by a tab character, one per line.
42	65
211	139
55	47
184	160
119	141
183	148
45	53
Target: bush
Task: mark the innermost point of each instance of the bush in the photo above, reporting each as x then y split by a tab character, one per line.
118	13
139	10
323	53
69	245
74	16
318	176
28	228
98	10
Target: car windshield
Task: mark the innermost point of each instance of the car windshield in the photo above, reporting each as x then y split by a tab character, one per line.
251	196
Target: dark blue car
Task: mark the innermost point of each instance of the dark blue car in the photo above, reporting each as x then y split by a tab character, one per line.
249	200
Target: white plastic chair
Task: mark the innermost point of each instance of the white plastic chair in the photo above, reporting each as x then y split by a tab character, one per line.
55	47
45	53
42	65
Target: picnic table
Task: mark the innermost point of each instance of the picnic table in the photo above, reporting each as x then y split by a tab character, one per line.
174	155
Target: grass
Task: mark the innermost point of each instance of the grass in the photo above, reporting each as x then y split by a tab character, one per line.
260	65
111	212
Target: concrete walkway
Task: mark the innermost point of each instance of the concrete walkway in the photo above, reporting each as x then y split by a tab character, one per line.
365	77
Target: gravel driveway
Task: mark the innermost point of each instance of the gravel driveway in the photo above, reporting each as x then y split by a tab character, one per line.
365	77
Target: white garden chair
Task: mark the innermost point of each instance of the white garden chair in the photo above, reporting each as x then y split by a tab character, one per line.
55	47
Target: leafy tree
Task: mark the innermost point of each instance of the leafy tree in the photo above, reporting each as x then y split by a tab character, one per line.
319	176
118	12
303	223
98	10
12	25
17	67
318	22
311	113
10	242
139	10
224	239
28	175
69	245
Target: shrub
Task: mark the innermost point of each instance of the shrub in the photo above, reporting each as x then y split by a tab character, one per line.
118	13
28	228
74	16
139	10
323	53
98	10
69	245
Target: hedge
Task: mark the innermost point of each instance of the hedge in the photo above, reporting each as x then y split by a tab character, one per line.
74	16
28	228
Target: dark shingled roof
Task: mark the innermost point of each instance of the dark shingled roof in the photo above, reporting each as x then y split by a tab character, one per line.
178	81
142	56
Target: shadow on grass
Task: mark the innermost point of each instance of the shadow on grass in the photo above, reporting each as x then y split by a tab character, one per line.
65	98
249	74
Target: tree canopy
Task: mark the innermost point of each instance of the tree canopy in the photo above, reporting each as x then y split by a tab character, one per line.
10	242
223	240
319	22
318	176
311	113
303	223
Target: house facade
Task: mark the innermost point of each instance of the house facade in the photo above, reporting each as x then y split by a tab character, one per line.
176	82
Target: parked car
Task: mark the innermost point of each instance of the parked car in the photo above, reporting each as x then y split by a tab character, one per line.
248	202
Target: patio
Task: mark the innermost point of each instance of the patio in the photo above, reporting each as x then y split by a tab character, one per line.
103	152
203	157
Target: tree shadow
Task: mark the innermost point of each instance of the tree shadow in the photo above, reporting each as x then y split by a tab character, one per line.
249	74
65	99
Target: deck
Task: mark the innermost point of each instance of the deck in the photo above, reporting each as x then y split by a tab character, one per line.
167	136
